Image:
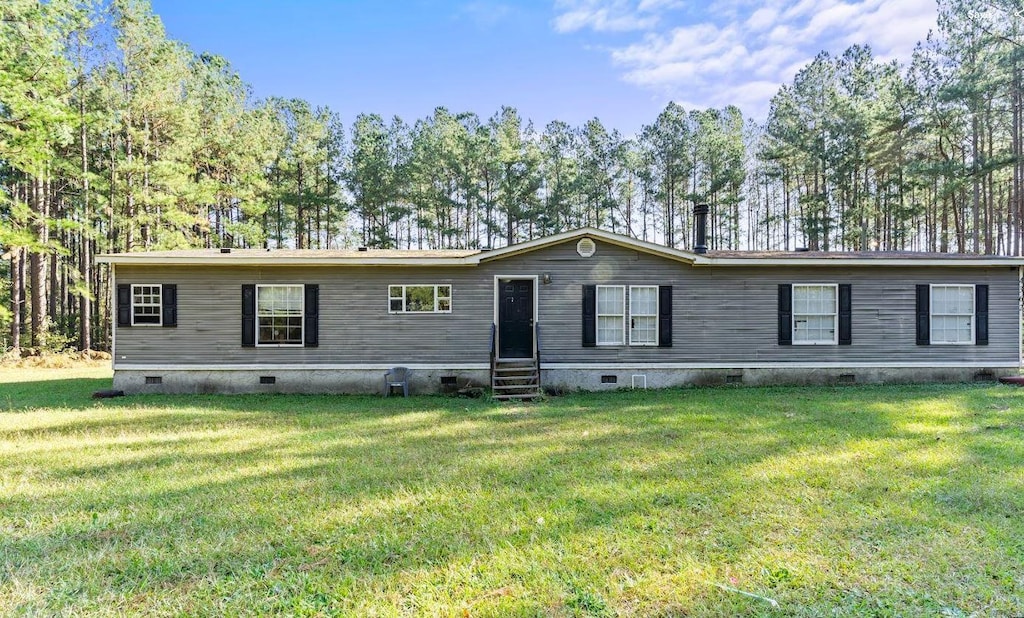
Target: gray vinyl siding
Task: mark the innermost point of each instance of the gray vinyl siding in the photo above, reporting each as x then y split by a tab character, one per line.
730	314
354	323
721	315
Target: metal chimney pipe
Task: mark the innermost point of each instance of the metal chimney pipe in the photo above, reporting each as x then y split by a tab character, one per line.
700	228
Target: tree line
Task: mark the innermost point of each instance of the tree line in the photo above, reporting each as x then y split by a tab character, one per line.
115	138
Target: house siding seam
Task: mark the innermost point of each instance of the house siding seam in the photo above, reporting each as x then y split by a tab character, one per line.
721	315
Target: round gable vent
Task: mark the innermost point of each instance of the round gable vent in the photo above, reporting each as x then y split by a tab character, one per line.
586	247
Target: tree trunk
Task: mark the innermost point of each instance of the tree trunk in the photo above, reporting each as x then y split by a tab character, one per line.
17	285
976	181
300	239
84	257
54	291
37	265
1017	202
129	200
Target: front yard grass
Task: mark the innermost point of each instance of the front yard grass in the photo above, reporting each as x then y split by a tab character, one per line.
829	501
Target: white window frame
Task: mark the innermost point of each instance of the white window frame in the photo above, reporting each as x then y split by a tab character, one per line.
437	297
302	315
835	315
655	315
159	305
598	315
932	314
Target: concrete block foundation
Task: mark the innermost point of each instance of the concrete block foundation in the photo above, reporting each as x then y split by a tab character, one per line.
312	381
429	381
612	379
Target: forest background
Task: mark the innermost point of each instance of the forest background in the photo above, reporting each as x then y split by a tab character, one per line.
115	138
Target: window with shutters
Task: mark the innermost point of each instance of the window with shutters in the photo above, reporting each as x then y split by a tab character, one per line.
952	314
815	314
419	298
147	305
279	313
611	314
643	315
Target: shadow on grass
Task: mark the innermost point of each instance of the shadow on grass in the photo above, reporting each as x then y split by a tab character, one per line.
69	393
293	492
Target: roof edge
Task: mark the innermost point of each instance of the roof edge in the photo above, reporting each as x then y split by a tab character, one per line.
621	240
227	260
951	262
584	232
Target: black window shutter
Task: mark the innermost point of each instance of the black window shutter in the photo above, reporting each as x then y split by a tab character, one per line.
312	322
169	304
981	314
923	315
664	316
845	315
589	316
248	316
785	314
124	304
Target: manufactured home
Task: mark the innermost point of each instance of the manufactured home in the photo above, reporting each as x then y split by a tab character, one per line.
585	309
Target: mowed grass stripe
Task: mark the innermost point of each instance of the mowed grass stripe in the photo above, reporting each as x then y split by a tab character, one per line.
840	501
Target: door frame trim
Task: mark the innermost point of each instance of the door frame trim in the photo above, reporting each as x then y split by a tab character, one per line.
536	304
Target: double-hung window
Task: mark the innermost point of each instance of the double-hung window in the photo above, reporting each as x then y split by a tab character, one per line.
815	314
643	319
952	314
611	314
420	298
146	304
279	311
643	315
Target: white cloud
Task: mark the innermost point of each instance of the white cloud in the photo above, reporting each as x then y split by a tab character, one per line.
805	8
740	51
483	13
761	19
659	5
833	17
601	20
692	42
886	27
610	15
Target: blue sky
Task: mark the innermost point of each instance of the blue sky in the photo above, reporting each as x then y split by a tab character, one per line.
571	60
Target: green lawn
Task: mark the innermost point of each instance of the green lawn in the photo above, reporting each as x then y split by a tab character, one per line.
830	501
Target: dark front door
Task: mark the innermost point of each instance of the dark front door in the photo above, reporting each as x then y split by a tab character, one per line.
515	318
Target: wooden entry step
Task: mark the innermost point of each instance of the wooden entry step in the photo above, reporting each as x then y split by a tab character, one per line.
516	379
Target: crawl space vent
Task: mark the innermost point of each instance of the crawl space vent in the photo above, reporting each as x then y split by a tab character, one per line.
268	379
154	380
586	247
